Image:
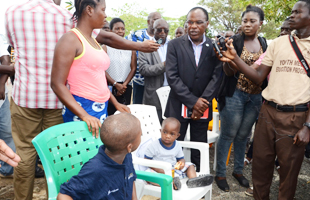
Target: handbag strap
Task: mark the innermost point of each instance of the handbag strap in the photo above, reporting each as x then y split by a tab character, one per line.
300	57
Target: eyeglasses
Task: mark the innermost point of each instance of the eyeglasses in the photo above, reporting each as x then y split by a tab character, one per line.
162	29
198	23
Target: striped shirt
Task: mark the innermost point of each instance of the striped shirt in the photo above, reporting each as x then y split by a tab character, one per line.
139	36
33	29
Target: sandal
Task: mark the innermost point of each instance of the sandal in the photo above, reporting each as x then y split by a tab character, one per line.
200	181
247	161
176	183
249	191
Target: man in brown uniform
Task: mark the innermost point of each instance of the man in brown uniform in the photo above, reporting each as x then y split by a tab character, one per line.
283	127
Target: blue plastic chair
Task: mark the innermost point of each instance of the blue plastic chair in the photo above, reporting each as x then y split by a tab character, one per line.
64	149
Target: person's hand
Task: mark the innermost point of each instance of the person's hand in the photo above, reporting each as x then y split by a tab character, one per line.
122	108
93	124
120	89
302	137
182	164
124	87
196	115
7	155
201	105
148	46
230	53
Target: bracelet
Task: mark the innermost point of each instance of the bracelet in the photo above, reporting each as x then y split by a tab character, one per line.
114	83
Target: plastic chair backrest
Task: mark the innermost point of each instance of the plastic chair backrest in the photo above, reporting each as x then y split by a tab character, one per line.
63	150
163	94
148	119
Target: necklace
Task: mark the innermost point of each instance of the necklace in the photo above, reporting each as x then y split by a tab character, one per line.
97	45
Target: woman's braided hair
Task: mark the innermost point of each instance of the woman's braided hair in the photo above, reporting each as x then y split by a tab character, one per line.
80	5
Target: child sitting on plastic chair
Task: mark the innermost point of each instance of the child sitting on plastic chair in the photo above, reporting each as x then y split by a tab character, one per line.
169	150
102	177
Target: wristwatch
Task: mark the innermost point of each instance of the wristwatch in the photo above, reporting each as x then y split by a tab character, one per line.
114	83
307	124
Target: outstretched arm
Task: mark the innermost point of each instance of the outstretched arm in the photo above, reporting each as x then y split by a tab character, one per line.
116	41
257	74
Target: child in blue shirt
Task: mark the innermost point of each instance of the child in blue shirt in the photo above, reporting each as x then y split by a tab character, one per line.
169	150
110	174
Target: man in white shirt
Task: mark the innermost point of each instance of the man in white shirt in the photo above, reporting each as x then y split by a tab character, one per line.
152	66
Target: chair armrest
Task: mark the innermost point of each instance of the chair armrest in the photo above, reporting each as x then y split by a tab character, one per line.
165	182
216	122
153	163
204	154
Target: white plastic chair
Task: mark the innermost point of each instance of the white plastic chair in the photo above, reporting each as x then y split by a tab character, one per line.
163	94
151	131
213	135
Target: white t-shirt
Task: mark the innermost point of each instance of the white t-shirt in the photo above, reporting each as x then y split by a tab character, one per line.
158	151
120	61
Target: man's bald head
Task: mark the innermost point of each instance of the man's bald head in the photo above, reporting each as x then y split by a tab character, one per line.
117	131
160	22
151	19
154	14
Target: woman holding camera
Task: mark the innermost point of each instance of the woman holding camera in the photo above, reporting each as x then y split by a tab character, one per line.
239	99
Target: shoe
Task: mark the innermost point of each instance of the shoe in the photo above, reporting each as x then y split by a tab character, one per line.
249	191
39	173
247	161
200	181
177	183
222	184
242	180
7	176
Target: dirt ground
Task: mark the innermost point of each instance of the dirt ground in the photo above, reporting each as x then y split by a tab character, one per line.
236	191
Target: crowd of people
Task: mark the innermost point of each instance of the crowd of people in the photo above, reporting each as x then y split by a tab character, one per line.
82	68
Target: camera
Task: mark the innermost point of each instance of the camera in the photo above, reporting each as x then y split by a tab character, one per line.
160	41
222	42
217	49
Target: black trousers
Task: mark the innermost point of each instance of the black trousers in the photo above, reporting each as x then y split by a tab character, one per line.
198	133
123	99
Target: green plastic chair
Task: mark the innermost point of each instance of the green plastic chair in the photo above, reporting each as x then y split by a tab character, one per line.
64	149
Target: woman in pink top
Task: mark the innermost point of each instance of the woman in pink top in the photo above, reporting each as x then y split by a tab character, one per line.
80	63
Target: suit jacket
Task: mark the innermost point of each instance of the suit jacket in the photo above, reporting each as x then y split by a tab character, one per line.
187	81
153	71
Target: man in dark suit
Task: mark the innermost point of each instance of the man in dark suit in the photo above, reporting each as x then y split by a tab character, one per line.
194	75
152	66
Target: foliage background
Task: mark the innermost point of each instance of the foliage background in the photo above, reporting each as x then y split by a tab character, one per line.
224	15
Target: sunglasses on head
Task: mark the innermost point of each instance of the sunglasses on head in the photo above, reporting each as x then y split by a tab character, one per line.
161	29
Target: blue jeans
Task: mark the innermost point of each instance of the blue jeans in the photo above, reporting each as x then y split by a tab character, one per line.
237	118
6	134
137	95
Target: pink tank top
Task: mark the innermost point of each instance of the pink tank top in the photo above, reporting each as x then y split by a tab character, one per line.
87	73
